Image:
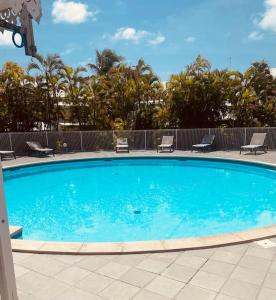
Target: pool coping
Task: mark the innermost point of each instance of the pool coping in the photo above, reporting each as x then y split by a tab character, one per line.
107	248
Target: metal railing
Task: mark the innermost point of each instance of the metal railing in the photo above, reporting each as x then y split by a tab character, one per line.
85	141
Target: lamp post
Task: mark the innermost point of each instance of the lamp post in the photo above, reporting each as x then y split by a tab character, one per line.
13	12
7	277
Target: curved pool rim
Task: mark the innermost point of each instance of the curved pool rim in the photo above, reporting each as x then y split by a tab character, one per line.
100	248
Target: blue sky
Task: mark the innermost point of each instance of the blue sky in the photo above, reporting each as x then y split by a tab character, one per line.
167	34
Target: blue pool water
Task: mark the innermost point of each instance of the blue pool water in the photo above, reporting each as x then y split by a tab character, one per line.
138	199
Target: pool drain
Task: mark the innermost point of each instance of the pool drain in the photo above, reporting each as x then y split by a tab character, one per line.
137	212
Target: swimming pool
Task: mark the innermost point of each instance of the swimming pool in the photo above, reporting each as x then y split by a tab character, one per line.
118	200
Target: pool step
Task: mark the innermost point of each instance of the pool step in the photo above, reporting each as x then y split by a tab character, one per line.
15	231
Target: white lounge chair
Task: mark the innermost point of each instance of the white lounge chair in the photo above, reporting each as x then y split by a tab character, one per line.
206	143
167	143
122	145
7	153
257	143
35	147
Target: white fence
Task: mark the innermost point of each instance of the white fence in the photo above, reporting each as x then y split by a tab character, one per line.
83	141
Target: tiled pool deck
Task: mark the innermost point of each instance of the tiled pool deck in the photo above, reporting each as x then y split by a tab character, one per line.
246	271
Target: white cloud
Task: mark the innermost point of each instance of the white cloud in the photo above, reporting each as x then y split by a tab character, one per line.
268	20
130	34
190	39
64	11
255	36
159	39
136	36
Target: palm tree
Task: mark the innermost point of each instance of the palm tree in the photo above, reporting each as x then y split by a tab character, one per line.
72	83
200	66
96	94
105	61
48	68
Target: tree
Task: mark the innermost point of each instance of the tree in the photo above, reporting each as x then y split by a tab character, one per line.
120	96
105	61
198	96
47	81
18	104
255	101
71	82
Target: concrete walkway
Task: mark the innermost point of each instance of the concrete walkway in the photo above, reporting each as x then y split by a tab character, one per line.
244	272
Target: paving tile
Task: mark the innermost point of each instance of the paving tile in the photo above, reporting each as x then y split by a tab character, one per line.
239	249
267	294
270	281
218	267
205	253
18	257
258	251
108	257
227	256
119	291
165	286
224	297
25	296
113	270
247	275
19	270
255	263
129	260
273	267
147	295
31	281
180	273
190	292
137	277
92	263
76	294
152	265
68	259
208	281
168	257
94	283
190	260
240	289
72	275
41	286
43	264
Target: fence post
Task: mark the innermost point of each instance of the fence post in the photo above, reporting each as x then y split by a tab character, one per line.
245	133
81	141
10	142
176	139
47	141
145	140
